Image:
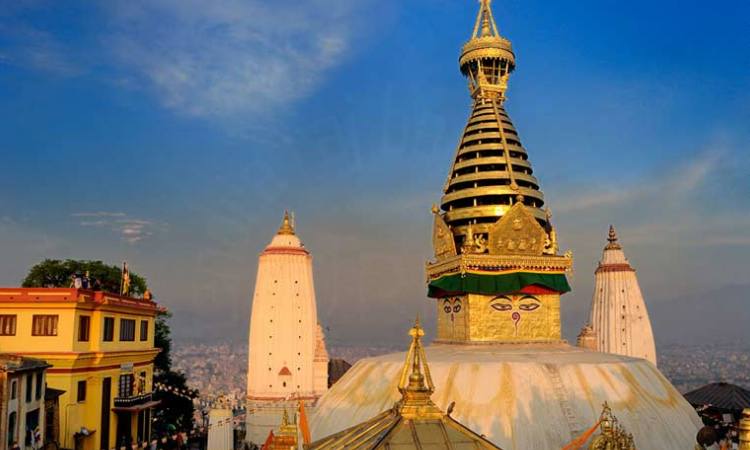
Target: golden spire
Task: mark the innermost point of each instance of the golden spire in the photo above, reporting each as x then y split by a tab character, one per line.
743	430
488	25
416	385
487	59
287	227
612	238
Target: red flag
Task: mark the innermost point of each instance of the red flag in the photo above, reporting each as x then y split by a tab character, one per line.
269	441
303	423
581	440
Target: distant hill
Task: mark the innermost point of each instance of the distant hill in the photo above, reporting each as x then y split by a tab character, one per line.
714	316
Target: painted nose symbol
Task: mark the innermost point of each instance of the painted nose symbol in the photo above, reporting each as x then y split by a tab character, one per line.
516	316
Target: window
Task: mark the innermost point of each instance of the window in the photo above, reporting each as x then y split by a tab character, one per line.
81	392
44	325
8	325
29	386
127	329
39	385
126	385
84	326
109	329
144	330
13	390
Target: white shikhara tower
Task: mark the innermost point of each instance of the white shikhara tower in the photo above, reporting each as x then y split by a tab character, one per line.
288	360
619	321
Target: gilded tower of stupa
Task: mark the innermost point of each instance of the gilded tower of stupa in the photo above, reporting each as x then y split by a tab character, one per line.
497	274
496	279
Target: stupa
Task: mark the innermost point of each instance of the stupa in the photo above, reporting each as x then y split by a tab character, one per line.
288	361
619	321
496	280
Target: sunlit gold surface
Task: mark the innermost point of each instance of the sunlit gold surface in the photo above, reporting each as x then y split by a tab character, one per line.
744	430
505	318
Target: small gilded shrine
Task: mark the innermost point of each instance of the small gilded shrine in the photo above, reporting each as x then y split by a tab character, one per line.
497	275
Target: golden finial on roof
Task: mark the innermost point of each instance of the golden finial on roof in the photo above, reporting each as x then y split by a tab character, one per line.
485	25
612	238
613	435
416	385
487	59
287	227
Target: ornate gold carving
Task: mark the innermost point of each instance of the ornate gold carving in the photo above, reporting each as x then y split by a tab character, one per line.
613	436
517	233
499	263
442	238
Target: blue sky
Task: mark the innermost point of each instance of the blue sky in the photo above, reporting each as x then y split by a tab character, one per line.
173	134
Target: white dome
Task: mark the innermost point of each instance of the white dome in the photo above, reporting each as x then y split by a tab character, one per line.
538	396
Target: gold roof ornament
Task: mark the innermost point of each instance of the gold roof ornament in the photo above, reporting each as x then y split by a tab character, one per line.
743	430
613	435
287	226
612	239
414	421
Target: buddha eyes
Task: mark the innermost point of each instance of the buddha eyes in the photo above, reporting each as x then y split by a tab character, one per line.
529	303
449	307
502	306
503	303
528	307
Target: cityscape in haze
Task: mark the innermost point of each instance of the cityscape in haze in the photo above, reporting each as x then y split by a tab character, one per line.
243	225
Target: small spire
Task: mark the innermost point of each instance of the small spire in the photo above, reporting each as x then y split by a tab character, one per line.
416	385
612	238
485	25
286	225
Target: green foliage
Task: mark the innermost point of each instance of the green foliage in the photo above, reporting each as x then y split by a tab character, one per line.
57	273
174	409
162	340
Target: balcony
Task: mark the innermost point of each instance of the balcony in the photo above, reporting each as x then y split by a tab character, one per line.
133	400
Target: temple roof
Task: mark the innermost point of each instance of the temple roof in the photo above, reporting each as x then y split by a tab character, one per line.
720	395
414	421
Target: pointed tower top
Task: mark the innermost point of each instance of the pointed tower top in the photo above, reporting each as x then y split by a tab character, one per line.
287	227
485	25
416	385
487	59
612	238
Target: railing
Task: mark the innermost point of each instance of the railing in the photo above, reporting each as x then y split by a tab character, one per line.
133	400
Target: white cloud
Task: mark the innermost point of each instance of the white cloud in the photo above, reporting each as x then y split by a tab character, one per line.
131	230
681	180
229	57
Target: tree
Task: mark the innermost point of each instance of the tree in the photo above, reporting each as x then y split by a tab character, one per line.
174	410
57	273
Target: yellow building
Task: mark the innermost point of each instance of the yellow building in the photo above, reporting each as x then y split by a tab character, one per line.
101	348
